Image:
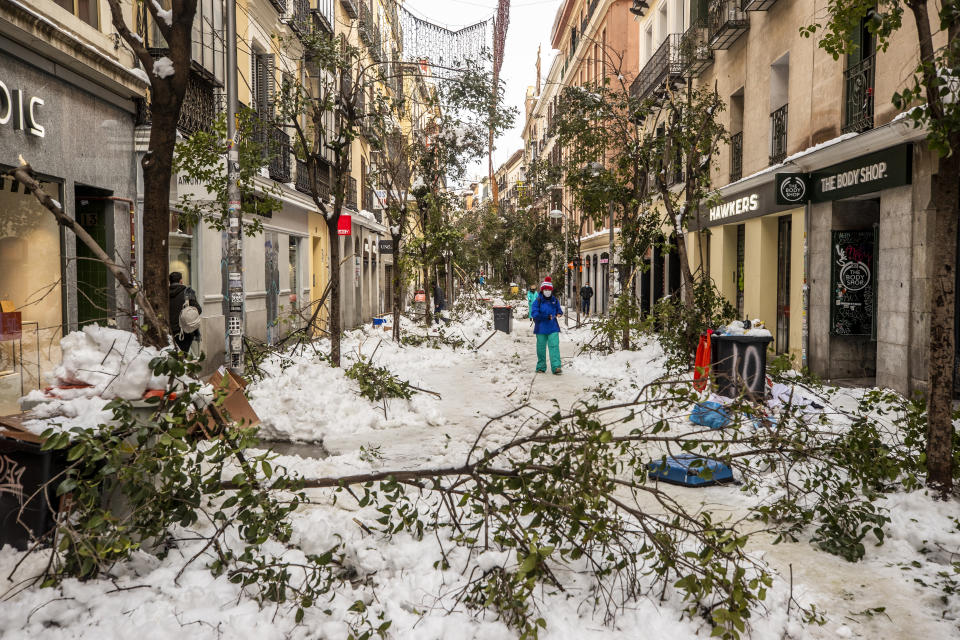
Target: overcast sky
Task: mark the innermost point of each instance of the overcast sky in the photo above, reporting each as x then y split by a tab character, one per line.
530	23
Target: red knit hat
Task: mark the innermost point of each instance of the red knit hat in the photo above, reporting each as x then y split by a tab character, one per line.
546	284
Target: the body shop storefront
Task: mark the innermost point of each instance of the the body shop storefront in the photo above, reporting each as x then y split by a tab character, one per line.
752	248
81	145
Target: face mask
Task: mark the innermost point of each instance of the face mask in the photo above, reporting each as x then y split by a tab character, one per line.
547	293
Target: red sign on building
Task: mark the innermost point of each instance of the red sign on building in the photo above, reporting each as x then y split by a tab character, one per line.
343	225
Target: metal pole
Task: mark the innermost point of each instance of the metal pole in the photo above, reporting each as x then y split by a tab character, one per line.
234	297
566	271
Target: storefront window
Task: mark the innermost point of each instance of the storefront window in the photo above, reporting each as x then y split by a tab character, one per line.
30	285
294	270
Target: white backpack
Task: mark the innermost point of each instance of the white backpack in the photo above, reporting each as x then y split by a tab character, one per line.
189	318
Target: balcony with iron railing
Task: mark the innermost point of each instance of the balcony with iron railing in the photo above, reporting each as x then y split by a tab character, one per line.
275	146
201	103
736	156
728	21
858	80
350	7
367	200
300	19
303	183
756	5
696	47
778	135
280	6
666	65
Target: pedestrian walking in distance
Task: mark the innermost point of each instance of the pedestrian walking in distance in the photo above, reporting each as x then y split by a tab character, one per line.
545	311
184	313
586	293
531	296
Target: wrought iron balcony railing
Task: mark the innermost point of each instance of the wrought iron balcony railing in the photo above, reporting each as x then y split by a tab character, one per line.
858	114
322	179
280	5
200	106
728	21
367	198
756	5
666	65
778	135
696	47
300	20
275	145
736	156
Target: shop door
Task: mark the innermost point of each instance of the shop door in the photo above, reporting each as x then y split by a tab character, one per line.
93	283
388	286
741	241
272	272
785	226
673	263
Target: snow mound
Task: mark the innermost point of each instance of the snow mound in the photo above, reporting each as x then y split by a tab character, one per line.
111	361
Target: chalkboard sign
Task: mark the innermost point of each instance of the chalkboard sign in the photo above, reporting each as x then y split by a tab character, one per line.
852	279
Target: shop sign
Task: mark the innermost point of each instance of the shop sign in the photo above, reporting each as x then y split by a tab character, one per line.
20	111
344	225
867	174
792	188
385	246
872	172
742	205
852	279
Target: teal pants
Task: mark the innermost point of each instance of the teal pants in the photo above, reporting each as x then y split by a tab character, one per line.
552	341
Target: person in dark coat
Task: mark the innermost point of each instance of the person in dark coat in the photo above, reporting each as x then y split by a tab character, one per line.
546	309
439	298
180	294
586	293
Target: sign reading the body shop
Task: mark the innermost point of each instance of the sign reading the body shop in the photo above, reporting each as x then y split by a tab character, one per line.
792	188
875	171
20	111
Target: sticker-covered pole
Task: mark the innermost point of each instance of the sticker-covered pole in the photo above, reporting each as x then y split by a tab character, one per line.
233	258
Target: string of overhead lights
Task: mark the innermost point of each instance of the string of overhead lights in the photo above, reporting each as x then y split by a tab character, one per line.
425	40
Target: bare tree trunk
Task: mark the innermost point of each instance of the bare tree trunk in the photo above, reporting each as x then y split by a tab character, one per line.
335	319
686	275
426	295
157	167
940	431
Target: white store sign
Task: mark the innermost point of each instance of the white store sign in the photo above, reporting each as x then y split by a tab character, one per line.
20	111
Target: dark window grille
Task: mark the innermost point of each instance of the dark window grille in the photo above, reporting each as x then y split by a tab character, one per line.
322	181
275	146
736	156
665	65
351	196
199	110
300	20
741	242
785	227
859	95
778	135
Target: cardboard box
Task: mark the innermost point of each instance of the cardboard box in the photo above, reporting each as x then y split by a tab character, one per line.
235	406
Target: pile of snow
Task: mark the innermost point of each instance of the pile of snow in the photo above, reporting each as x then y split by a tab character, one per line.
100	364
111	361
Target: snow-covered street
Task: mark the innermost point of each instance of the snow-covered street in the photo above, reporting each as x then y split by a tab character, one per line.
900	589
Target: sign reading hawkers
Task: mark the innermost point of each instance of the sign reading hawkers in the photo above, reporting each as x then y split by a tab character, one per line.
737	207
20	111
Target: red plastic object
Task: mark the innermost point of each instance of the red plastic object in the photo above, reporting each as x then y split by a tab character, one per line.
701	366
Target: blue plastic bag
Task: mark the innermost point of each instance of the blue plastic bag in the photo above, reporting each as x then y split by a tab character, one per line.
710	414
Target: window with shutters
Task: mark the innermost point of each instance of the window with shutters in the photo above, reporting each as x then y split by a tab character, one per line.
263	86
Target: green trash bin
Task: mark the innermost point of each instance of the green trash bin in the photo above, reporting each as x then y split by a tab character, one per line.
739	365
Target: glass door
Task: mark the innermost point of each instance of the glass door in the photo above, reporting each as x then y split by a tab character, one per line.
784	230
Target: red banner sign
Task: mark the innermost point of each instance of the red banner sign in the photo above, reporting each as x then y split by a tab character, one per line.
343	225
10	326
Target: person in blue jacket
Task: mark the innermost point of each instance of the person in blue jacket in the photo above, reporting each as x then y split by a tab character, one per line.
545	311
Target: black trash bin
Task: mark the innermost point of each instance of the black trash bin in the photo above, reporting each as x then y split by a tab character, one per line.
739	365
503	319
24	468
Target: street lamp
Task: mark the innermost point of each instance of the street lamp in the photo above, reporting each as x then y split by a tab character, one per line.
557	214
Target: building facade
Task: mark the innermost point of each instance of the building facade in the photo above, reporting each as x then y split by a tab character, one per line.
67	106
